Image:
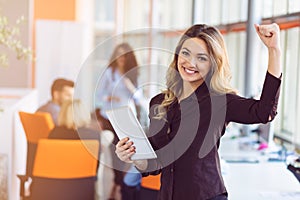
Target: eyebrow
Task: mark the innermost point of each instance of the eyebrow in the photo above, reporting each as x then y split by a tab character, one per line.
199	54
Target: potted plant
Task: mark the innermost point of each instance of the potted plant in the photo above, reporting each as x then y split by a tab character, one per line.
10	40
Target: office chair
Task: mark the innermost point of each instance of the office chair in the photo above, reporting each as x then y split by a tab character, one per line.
36	126
295	168
65	170
150	186
151	182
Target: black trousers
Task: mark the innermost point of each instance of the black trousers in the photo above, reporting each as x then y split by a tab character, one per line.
130	193
220	197
148	194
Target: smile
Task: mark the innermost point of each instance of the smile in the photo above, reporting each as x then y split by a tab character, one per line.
190	71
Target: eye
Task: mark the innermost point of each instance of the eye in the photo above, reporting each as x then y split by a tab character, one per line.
202	58
185	53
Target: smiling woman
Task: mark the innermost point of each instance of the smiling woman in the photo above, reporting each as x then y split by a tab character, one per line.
193	63
189	118
204	47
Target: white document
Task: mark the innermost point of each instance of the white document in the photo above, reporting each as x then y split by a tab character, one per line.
126	124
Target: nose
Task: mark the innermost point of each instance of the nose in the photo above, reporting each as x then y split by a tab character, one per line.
192	61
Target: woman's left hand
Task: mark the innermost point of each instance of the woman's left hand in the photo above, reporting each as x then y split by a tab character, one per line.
269	34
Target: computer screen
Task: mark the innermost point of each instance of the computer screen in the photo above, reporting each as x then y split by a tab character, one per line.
265	133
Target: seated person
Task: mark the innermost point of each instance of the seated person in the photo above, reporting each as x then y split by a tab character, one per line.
61	90
73	123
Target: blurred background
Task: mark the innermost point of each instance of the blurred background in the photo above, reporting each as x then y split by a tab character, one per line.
75	38
67	36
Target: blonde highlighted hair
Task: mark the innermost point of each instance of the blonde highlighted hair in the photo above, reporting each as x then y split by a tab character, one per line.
219	75
73	114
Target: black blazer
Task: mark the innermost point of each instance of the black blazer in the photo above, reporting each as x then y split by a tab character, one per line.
187	141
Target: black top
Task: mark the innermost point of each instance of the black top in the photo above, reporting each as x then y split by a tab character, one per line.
61	132
187	142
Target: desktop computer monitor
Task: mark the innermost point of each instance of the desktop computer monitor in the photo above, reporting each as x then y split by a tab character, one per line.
265	133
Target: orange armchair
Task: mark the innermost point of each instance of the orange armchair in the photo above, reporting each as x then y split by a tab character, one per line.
65	170
36	126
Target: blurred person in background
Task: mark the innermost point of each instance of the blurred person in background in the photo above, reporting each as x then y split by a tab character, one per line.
61	90
73	123
117	87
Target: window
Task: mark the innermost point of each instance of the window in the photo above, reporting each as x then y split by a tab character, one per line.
136	14
290	95
267	8
280	7
235	42
175	14
216	12
294	6
103	18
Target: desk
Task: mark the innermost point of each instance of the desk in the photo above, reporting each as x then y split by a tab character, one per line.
12	137
256	181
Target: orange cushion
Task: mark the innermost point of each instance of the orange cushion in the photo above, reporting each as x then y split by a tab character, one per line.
65	159
151	182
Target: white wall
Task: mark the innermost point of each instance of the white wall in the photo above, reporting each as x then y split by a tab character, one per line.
59	53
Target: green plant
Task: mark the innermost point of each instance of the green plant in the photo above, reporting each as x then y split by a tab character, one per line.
9	38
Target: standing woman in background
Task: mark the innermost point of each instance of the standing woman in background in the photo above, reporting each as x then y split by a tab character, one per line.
116	88
188	119
118	82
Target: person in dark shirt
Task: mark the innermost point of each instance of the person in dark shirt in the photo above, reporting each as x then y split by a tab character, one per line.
189	118
61	90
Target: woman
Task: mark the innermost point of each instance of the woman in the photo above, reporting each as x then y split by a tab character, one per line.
188	119
74	122
118	82
117	87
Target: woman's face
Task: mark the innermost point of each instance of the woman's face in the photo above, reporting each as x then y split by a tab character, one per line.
193	61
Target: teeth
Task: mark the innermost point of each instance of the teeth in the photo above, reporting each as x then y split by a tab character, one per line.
189	71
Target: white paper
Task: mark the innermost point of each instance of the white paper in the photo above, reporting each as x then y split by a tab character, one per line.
126	124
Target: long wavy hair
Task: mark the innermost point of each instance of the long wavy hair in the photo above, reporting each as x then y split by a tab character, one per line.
130	66
219	74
